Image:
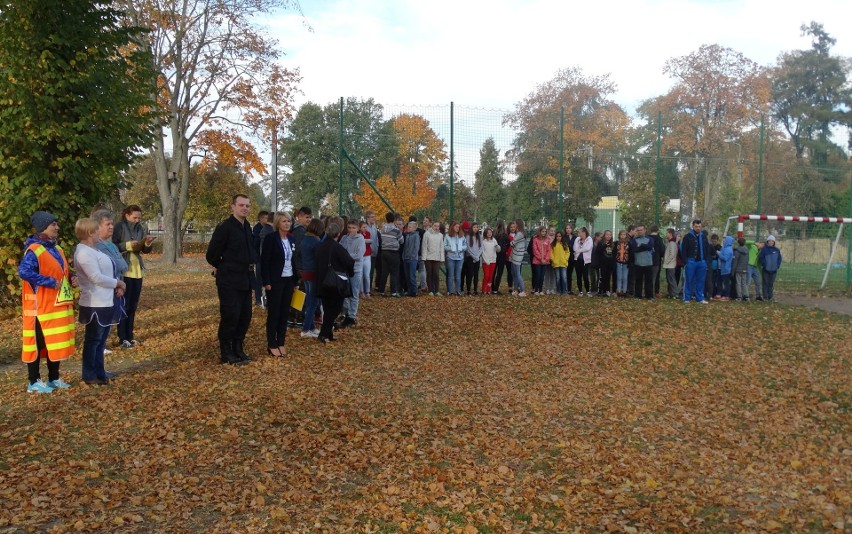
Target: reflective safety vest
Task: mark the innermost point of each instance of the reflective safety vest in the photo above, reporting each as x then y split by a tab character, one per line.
41	303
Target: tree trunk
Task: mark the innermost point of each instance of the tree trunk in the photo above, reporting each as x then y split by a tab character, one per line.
173	187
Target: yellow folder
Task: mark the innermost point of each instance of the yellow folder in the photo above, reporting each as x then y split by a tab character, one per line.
298	300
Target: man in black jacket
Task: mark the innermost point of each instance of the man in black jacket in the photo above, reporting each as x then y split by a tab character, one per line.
659	252
233	257
257	234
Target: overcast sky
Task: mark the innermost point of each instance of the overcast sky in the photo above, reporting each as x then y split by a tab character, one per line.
493	53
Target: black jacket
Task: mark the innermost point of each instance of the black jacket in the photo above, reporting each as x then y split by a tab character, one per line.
233	255
689	247
659	249
606	253
330	251
272	258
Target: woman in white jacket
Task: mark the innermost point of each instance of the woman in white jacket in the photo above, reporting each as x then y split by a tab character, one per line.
432	252
99	309
582	258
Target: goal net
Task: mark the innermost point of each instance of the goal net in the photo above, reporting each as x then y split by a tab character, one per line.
815	250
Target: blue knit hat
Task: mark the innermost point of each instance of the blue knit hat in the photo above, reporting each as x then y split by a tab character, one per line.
41	220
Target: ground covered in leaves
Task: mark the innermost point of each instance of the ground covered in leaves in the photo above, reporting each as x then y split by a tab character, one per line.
495	414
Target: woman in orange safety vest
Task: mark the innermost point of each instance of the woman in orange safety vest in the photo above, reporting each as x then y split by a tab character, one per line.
48	304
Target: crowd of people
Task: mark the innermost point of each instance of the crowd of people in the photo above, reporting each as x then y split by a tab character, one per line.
404	258
335	263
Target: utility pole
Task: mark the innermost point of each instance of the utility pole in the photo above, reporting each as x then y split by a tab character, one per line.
657	180
274	201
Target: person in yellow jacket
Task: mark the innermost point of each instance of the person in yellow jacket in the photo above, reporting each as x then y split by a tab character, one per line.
47	304
559	260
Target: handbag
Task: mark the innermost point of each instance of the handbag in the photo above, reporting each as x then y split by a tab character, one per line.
336	283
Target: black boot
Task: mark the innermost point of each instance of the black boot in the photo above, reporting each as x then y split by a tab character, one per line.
227	355
240	353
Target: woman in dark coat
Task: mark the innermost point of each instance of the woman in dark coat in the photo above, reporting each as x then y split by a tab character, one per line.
331	255
276	261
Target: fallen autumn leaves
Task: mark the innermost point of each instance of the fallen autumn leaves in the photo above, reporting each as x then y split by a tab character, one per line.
476	415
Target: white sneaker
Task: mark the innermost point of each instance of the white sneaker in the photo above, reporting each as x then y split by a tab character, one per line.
58	384
309	333
107	352
39	387
704	302
522	294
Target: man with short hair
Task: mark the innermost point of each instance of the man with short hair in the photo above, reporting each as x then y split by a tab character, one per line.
375	246
303	219
659	252
391	257
694	252
257	235
421	265
233	258
631	269
642	252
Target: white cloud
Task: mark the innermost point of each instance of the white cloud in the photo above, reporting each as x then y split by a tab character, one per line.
494	53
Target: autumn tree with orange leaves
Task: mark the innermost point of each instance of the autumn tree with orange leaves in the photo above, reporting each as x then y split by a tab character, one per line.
718	94
417	171
216	71
594	124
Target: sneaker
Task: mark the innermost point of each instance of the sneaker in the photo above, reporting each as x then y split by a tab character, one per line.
110	376
126	344
704	302
431	293
58	384
134	342
309	333
107	352
39	387
759	299
588	293
396	295
522	294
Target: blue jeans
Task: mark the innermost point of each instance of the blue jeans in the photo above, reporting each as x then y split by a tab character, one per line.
93	351
561	280
621	277
411	274
726	285
752	275
454	269
696	276
351	304
366	266
517	279
310	307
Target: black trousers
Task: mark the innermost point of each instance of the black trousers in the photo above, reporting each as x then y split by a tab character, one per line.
607	277
331	307
390	267
33	367
235	308
582	271
131	302
643	279
277	311
470	273
498	273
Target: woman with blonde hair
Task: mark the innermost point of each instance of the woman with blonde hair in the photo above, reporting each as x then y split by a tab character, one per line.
99	309
276	270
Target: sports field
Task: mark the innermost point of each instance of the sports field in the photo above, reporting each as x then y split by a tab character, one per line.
485	414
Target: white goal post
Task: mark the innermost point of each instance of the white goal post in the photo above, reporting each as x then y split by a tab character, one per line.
799	218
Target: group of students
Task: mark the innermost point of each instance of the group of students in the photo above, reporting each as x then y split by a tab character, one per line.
695	266
108	270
